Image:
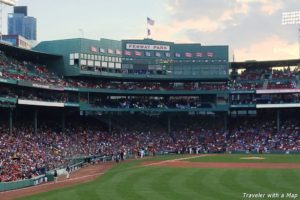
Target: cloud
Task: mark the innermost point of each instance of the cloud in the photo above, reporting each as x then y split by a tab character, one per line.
270	7
250	26
273	47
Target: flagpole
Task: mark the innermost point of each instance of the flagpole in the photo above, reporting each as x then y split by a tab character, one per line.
147	35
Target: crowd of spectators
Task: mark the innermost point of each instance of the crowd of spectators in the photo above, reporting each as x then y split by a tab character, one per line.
103	101
253	79
24	154
27	71
142	103
39	74
266	99
245	85
285	84
162	86
249	79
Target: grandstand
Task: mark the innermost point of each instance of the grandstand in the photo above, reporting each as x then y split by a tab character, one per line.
80	97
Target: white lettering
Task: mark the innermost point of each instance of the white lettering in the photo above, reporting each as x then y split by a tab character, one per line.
258	195
291	195
148	47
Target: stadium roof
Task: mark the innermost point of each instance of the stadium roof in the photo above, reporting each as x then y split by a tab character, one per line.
26	54
263	64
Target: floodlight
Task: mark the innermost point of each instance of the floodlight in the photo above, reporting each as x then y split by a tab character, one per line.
292	18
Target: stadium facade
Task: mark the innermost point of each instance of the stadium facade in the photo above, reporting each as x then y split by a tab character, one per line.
145	58
107	77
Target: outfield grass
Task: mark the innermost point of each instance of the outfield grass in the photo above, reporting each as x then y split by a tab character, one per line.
268	158
131	182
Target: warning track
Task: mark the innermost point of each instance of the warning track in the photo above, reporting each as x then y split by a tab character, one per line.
83	175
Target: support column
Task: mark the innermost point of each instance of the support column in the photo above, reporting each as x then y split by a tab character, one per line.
225	121
10	120
109	123
278	120
63	121
35	121
169	124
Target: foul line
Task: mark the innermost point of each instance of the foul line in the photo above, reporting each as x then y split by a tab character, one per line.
173	160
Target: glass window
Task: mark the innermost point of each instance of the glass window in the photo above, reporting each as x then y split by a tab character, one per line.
82	62
97	63
90	63
104	64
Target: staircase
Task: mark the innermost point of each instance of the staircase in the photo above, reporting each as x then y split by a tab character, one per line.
265	84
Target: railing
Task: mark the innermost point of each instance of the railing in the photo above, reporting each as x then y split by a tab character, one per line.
49	176
23	183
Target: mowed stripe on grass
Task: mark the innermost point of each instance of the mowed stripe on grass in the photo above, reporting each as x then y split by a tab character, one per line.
126	181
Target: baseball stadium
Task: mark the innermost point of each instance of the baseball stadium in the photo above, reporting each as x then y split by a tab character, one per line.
146	119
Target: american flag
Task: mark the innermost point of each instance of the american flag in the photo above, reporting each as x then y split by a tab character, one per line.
94	49
188	55
138	53
127	53
118	52
177	55
102	50
147	53
150	21
210	54
110	51
199	54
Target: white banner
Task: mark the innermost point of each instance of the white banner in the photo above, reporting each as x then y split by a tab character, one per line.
40	103
283	105
271	91
148	47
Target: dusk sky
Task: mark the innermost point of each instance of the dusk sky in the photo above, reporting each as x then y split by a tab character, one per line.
251	28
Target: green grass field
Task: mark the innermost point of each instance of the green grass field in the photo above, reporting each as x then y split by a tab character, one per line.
127	181
267	158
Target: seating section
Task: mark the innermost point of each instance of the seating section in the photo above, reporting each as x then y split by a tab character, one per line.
25	154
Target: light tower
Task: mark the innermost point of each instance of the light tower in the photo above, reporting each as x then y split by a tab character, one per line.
292	18
4	2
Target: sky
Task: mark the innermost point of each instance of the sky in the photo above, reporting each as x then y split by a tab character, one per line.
251	28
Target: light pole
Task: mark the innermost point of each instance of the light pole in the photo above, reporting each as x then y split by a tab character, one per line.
292	18
81	32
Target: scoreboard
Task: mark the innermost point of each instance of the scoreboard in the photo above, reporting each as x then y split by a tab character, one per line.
175	59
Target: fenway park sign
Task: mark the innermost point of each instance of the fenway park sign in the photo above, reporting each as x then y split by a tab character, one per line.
148	47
